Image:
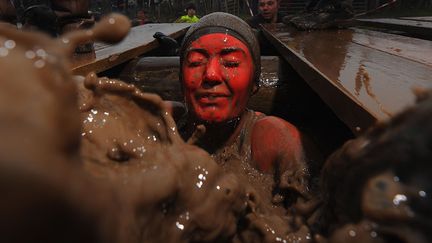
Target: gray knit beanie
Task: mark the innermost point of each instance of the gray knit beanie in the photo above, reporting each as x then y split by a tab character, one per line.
220	22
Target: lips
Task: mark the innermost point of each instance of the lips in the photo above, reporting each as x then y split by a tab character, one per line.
211	97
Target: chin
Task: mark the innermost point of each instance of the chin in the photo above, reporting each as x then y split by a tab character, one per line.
213	120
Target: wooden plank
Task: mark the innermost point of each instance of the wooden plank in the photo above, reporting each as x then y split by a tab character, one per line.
417	28
410	48
426	18
359	83
400	22
139	41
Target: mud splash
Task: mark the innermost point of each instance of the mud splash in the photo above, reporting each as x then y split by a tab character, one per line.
129	138
97	160
104	161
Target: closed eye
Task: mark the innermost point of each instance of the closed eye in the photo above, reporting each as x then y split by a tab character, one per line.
232	56
231	64
195	64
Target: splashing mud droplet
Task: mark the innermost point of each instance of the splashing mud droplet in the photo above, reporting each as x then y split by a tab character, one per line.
10	44
41	53
179	226
39	64
422	193
399	198
30	54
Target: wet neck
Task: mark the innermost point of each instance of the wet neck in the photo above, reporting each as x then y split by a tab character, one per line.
219	135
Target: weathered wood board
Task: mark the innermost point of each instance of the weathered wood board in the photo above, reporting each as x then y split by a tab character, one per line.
419	28
363	75
425	18
139	41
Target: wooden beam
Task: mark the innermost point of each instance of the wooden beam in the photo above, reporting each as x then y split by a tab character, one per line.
352	71
139	41
416	28
417	50
426	18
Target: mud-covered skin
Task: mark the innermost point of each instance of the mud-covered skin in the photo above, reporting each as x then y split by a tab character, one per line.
382	178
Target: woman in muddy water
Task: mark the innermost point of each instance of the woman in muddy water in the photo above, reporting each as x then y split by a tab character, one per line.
220	69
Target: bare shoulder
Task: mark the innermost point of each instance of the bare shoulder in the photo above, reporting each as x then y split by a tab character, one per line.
269	124
274	140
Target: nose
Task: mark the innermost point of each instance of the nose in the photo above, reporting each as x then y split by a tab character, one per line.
213	74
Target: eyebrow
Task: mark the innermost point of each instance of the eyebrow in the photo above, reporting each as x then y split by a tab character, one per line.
229	50
224	51
199	50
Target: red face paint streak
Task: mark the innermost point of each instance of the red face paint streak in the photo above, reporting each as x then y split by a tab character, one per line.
217	77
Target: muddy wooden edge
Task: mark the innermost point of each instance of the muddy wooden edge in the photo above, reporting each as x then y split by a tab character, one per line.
346	108
411	28
115	59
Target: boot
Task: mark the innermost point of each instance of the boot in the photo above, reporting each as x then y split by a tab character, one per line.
337	14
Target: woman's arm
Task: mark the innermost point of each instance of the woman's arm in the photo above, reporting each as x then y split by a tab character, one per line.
277	149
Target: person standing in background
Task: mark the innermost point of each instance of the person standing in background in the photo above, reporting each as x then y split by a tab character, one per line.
190	17
268	12
141	18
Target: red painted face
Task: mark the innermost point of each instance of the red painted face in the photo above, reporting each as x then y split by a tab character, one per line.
217	77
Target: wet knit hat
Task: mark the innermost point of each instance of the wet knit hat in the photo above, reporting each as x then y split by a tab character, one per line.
219	22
